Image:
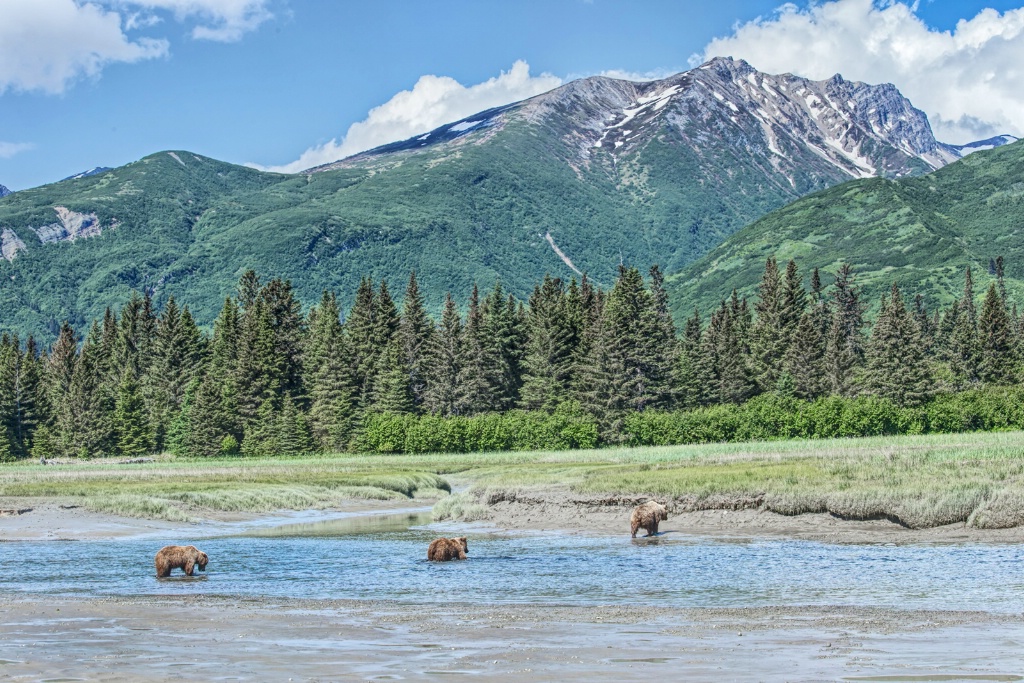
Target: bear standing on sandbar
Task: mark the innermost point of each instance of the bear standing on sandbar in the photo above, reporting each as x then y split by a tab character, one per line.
444	549
647	516
185	557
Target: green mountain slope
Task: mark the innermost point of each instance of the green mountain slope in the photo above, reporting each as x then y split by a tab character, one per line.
593	174
921	232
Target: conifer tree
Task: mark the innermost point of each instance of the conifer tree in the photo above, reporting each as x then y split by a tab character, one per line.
501	340
364	346
259	372
844	352
392	393
769	333
731	374
9	355
601	385
473	385
794	304
261	434
964	351
805	359
328	377
997	363
547	363
897	368
176	360
292	433
130	420
695	375
284	313
85	422
414	331
444	361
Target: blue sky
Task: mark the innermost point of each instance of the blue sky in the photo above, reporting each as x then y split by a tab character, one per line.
278	83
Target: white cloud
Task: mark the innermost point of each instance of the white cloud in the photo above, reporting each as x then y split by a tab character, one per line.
969	81
46	44
222	20
641	76
432	102
9	149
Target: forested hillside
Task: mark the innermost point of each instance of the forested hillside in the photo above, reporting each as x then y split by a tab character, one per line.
920	231
576	365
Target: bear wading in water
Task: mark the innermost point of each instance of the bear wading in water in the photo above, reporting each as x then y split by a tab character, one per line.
184	557
444	549
647	516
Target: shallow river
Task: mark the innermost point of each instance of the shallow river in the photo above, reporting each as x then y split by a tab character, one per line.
384	557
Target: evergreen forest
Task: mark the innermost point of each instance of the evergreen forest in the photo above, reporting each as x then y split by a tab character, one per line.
574	366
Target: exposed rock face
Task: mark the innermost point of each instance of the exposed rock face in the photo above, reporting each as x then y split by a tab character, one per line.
4	191
72	226
810	132
10	244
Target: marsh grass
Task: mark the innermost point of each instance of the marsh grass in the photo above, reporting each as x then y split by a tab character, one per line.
919	481
463	507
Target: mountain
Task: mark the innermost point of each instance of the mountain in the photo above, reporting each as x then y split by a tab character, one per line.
580	179
92	171
4	191
921	232
981	145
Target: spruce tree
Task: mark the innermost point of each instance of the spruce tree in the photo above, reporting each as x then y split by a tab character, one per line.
473	385
284	313
444	361
328	377
964	350
769	333
392	392
805	359
130	420
414	331
292	430
897	368
694	375
730	366
844	352
364	346
547	363
997	364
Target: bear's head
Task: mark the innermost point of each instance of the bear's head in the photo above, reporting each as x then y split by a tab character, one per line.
463	543
202	559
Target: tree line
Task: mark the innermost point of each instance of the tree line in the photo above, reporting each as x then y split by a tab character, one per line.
271	379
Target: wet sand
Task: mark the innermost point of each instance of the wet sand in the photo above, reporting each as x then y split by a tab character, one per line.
212	638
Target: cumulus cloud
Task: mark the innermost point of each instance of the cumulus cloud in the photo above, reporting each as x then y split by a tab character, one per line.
45	44
969	80
221	20
640	76
9	149
432	102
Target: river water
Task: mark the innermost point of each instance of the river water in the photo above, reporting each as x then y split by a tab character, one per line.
384	557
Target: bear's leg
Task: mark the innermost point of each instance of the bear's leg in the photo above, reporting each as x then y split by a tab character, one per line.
462	554
189	567
655	532
633	527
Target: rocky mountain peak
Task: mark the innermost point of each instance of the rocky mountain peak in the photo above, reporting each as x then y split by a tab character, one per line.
4	191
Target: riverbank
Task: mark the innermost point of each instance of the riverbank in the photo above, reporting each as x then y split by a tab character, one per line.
159	639
948	488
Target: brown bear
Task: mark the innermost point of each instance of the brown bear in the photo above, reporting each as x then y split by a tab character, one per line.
647	516
444	549
186	557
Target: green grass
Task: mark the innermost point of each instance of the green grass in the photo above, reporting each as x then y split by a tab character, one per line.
920	481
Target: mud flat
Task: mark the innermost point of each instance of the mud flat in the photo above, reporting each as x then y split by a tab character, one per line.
561	509
211	638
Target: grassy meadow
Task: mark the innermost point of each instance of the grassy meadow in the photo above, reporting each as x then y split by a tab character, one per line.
920	481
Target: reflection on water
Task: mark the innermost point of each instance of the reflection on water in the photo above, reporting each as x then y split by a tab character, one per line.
384	557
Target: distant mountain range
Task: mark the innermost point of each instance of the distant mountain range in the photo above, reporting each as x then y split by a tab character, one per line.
592	174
